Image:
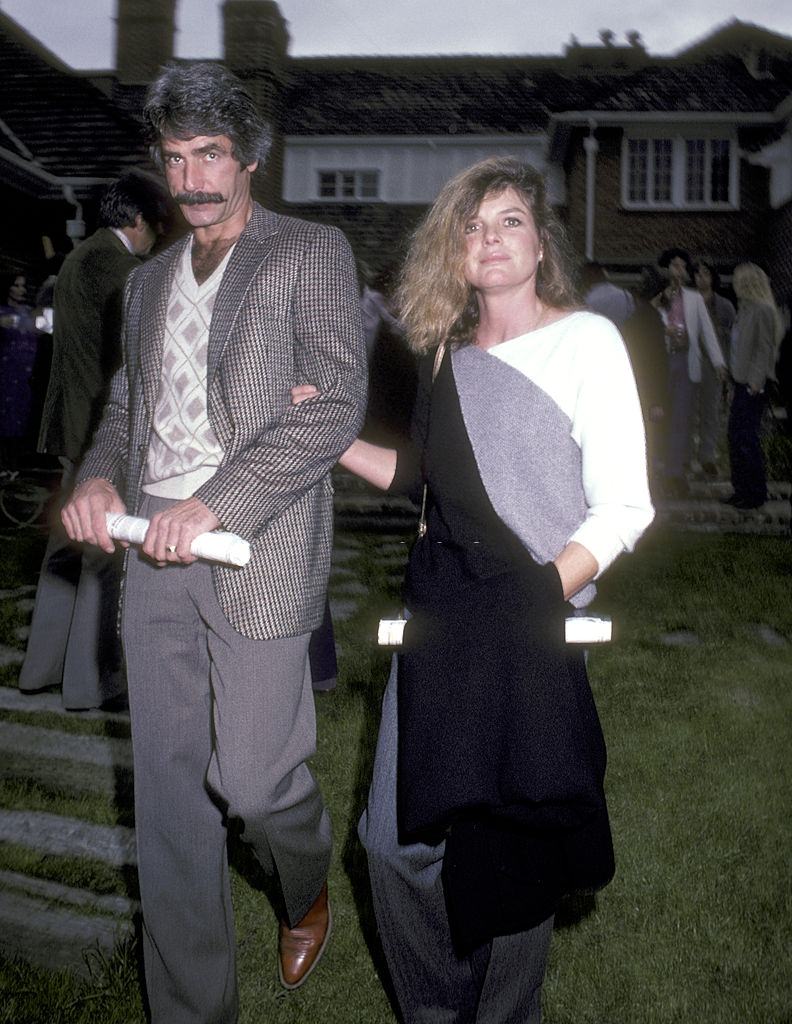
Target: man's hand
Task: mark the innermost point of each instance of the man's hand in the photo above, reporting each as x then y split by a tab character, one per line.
302	391
83	516
171	532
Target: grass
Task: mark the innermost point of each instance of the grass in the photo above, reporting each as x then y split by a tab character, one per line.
697	924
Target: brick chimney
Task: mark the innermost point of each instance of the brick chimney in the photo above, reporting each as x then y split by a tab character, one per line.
255	47
145	31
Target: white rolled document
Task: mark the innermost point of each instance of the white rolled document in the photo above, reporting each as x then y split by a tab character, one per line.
216	547
579	629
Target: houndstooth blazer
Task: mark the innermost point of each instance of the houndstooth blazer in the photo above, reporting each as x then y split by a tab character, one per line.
287	312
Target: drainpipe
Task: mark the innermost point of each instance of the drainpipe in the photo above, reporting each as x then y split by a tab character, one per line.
591	147
21	156
75	226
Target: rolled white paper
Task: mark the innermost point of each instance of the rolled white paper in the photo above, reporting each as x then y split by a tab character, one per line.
216	547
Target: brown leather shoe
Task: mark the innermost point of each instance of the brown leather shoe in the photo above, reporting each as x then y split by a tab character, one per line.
300	948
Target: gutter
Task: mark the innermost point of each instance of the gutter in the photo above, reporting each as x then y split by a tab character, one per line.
75	226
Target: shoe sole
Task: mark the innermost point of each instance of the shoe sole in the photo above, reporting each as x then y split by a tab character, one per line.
291	986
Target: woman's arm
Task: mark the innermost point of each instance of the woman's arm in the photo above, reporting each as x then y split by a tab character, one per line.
372	462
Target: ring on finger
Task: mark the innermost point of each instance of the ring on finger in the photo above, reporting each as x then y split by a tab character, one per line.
171	548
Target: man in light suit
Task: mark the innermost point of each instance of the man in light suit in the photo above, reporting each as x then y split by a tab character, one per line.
201	430
73	641
688	329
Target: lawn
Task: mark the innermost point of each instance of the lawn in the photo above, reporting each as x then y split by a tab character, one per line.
695	696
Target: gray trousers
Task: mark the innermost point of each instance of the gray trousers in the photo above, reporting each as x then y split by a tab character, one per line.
500	983
221	728
73	641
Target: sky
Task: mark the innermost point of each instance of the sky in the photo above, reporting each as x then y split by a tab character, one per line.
81	32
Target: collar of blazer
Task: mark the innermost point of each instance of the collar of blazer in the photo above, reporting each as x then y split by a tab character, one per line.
252	246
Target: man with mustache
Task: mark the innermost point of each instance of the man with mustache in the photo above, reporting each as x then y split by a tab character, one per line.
199	433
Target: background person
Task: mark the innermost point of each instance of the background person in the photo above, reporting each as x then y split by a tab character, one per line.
486	802
602	296
73	641
711	390
688	330
644	338
18	348
756	337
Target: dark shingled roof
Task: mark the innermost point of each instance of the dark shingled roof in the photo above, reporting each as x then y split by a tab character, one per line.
419	95
490	95
721	84
56	117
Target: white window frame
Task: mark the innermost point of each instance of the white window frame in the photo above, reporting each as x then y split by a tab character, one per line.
679	139
360	187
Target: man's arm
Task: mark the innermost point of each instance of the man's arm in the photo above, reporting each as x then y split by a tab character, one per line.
288	457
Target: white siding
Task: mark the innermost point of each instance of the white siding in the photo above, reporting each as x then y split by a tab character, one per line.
412	169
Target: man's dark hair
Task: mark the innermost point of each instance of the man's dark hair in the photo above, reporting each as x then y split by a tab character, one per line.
204	98
134	193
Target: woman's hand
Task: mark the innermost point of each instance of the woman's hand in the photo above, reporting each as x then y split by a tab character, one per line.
300	392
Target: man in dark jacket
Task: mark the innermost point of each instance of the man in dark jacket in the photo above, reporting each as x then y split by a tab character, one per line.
73	640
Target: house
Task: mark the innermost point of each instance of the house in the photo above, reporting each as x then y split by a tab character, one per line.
61	142
640	151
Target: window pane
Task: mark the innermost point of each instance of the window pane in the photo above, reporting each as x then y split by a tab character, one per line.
719	170
662	171
369	184
347	184
327	183
694	183
637	170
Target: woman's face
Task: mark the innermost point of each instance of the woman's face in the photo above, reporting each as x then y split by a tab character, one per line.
502	245
18	290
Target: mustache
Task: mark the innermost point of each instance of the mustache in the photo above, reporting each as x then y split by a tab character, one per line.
198	198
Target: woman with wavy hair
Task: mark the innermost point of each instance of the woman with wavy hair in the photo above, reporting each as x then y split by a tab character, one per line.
487	802
756	336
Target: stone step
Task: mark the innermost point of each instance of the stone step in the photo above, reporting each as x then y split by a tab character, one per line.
54	892
12	699
64	760
709	515
36	925
56	835
778	490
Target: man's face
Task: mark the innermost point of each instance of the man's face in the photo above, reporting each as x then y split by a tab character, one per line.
143	236
206	180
